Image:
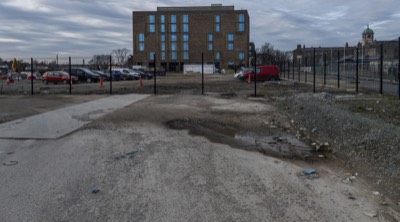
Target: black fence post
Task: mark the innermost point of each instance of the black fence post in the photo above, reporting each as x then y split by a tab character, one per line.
255	74
338	69
70	79
305	70
202	73
324	69
155	76
284	69
298	68
110	75
314	72
31	76
381	71
293	69
357	71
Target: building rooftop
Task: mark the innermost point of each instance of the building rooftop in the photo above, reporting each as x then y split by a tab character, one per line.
213	7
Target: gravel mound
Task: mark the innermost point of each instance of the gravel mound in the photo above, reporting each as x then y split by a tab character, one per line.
368	145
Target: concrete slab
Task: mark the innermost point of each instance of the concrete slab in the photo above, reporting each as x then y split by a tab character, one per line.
57	123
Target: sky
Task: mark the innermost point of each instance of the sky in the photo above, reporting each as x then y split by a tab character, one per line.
46	28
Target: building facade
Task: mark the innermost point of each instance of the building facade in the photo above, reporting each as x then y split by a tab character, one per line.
174	36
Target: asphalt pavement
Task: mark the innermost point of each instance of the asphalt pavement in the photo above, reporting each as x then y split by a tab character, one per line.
60	122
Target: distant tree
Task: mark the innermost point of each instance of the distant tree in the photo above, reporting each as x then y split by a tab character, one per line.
267	55
129	61
100	62
15	65
120	56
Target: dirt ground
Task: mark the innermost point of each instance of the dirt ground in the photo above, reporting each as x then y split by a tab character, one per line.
181	156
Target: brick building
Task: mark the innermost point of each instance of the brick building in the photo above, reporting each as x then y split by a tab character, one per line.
369	53
174	36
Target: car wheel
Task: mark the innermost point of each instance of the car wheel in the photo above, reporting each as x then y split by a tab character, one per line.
272	79
45	82
65	82
89	80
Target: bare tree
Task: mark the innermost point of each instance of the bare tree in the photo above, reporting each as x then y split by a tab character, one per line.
100	62
120	56
267	55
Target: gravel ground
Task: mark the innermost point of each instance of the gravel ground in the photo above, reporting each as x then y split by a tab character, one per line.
181	156
362	131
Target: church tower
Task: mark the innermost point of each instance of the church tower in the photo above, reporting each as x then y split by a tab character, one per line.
367	36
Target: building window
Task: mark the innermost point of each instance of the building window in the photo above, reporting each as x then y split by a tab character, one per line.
230	41
162	38
210	41
217	28
186	55
141	42
173	55
185	27
241	55
151	19
152	56
210	37
210	46
230	37
162	55
173	38
141	37
185	46
173	46
162	19
163	46
185	19
173	18
217	23
151	25
185	37
152	28
162	28
241	27
217	56
241	17
173	27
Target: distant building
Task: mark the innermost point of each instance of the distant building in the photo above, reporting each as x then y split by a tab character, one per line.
174	36
368	54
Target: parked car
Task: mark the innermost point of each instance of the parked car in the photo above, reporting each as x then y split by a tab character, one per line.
241	71
263	73
117	75
29	76
84	75
144	74
58	77
104	75
128	74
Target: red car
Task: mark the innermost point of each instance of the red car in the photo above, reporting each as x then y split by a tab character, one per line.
264	73
57	77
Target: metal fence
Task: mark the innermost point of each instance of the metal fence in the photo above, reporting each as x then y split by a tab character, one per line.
380	75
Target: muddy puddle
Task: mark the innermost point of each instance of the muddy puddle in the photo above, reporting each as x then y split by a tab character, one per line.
280	144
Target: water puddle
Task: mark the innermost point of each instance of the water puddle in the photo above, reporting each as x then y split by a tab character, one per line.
280	144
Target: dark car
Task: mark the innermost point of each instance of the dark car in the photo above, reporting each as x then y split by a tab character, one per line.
117	75
104	75
84	75
144	74
58	77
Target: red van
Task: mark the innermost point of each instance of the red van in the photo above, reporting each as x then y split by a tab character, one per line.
264	73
